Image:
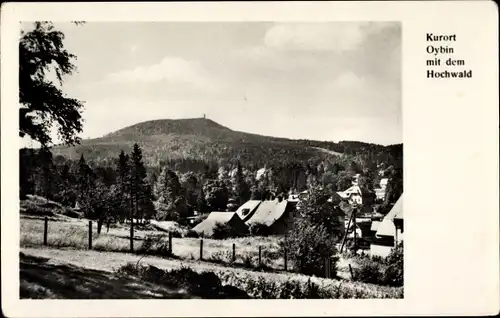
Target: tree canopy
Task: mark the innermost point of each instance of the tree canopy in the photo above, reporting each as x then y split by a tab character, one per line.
42	102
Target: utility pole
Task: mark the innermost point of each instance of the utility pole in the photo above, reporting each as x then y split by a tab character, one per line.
346	232
354	218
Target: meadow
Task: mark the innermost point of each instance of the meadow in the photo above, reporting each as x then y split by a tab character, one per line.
68	242
74	233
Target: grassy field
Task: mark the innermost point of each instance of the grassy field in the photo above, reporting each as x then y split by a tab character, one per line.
66	232
253	282
73	233
71	261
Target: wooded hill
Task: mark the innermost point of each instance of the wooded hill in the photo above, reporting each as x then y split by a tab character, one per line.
204	140
197	164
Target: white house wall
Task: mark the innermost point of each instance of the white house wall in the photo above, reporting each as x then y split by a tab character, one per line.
380	250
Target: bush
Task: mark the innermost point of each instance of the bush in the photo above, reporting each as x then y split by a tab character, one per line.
308	247
394	274
221	257
176	233
388	271
369	272
206	284
247	259
223	231
191	233
155	245
226	284
259	229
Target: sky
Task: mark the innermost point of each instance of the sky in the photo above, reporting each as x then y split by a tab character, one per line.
324	81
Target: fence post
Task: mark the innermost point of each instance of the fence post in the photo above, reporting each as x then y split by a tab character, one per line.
90	235
45	231
170	242
285	261
234	252
201	249
260	255
350	270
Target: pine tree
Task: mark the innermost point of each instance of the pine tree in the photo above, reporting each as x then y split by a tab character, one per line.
138	176
124	189
190	185
241	187
65	187
47	174
201	203
85	185
169	194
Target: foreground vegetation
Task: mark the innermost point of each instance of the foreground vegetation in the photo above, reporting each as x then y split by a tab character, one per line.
256	284
213	284
40	278
71	233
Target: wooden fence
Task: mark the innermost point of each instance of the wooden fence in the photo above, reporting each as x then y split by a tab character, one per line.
327	264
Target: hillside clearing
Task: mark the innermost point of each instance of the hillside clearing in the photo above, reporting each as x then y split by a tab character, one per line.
330	152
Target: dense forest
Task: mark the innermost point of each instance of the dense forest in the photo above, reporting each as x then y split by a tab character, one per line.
171	182
199	139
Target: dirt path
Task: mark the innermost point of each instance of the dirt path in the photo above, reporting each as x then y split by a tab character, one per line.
43	278
330	152
108	261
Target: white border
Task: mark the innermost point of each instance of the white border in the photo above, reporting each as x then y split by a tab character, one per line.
450	131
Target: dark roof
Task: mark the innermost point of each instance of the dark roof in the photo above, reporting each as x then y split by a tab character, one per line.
268	212
207	226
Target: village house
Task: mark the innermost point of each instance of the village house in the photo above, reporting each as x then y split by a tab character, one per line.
358	196
389	231
381	190
277	214
231	219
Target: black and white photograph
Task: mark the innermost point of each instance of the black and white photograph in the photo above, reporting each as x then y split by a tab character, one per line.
210	160
204	159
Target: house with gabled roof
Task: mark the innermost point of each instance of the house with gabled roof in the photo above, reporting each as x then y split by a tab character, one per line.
359	196
207	226
277	214
246	211
390	231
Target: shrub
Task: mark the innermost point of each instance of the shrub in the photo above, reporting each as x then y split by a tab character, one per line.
223	231
247	259
222	257
388	271
226	284
206	284
369	272
394	273
191	233
308	247
155	245
259	229
176	233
